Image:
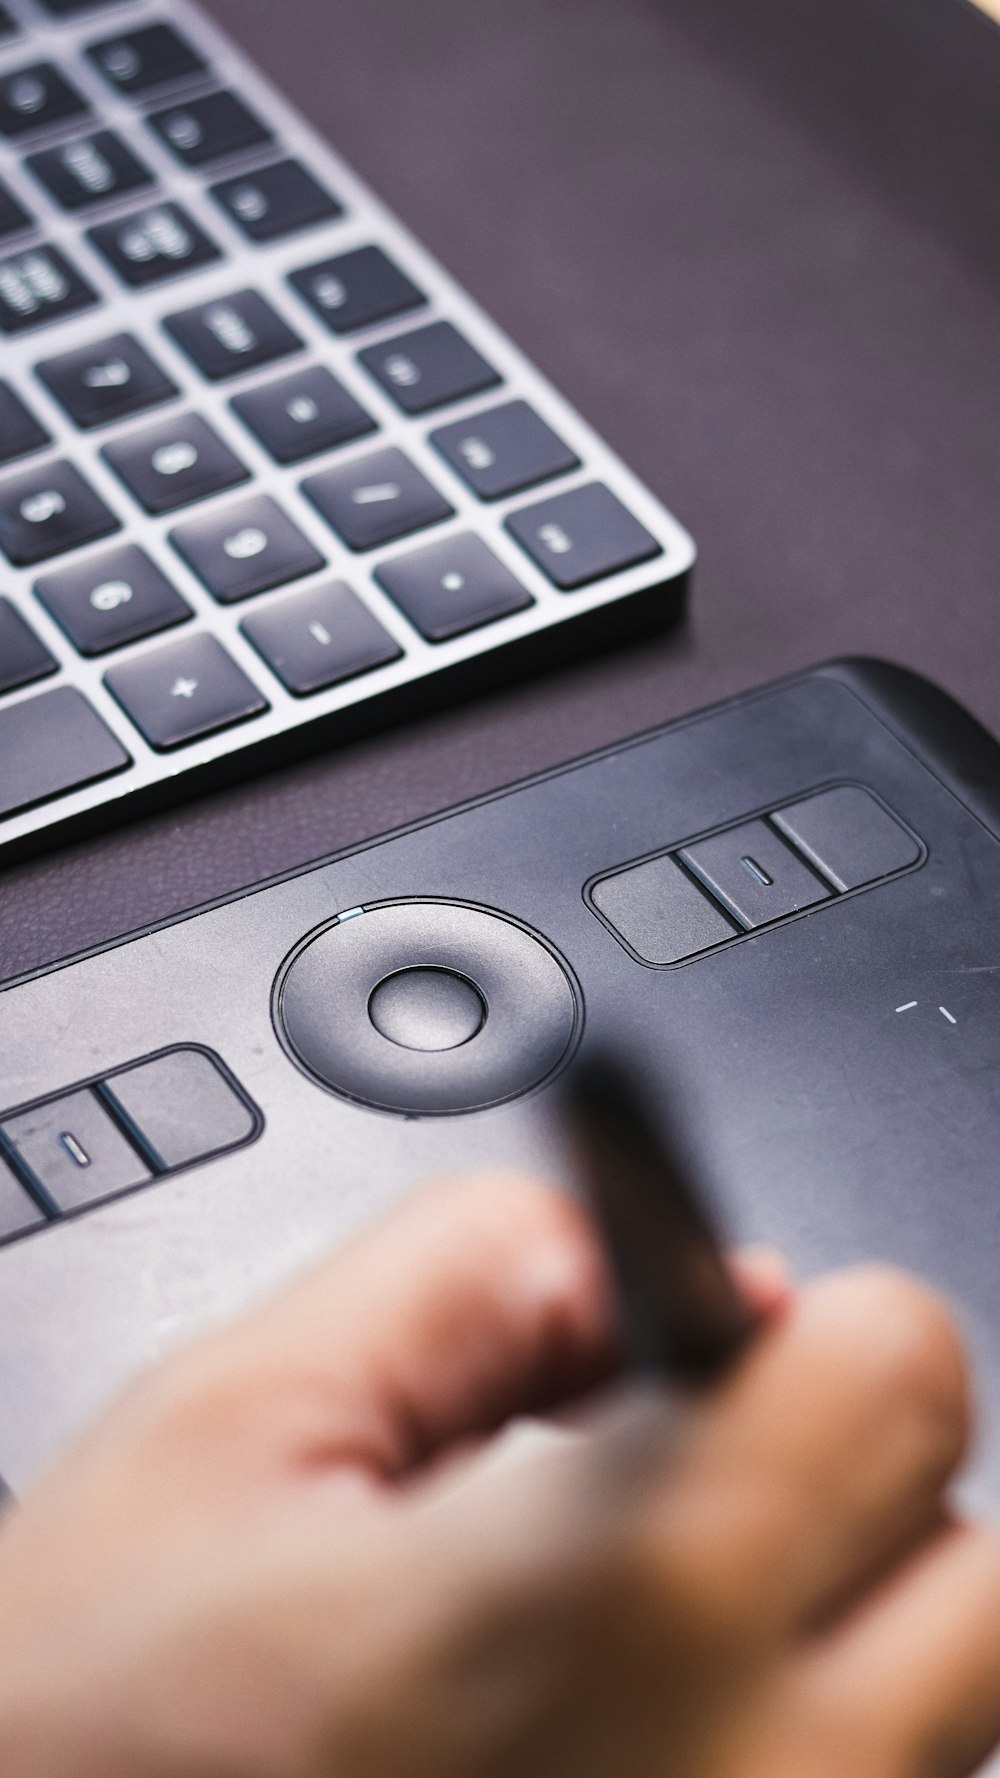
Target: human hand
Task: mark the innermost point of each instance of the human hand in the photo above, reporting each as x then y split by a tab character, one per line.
295	1552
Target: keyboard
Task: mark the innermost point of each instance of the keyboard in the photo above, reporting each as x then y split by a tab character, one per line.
269	477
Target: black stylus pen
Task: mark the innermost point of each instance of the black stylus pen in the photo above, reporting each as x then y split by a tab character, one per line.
682	1314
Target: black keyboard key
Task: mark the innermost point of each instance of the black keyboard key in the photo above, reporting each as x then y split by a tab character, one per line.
303	415
137	61
246	550
111	599
93	170
7	26
20	432
581	536
232	334
319	637
48	510
429	367
22	656
106	381
160	242
40	285
18	1210
206	129
37	98
187	689
14	218
53	744
357	289
453	586
275	201
504	450
175	463
375	499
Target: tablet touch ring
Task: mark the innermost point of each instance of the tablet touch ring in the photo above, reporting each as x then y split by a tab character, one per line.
427	1007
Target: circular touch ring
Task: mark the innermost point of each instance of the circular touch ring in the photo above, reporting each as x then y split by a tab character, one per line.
427	1008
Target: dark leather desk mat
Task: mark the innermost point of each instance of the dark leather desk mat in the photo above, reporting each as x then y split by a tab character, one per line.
759	246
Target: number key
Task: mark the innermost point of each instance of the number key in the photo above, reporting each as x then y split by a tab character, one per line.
245	550
92	170
136	61
275	201
40	285
115	598
303	415
22	656
581	536
160	242
49	510
175	463
232	334
357	289
106	381
37	98
20	432
428	367
206	129
504	450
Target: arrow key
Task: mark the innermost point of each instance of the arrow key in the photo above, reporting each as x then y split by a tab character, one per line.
188	689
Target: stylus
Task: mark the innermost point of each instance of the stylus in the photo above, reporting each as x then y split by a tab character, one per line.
682	1314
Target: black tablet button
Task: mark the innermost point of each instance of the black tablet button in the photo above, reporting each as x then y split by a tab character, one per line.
180	1108
151	245
659	912
73	1151
427	1009
304	414
23	658
319	637
453	586
206	129
376	499
46	511
848	835
581	536
106	381
428	367
18	1210
246	549
232	334
111	599
37	98
275	201
137	61
175	463
92	170
754	874
52	744
20	432
504	450
187	689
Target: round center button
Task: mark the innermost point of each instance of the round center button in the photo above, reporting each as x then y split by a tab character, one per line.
427	1009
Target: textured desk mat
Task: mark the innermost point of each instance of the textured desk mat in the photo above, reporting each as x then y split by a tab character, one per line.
760	248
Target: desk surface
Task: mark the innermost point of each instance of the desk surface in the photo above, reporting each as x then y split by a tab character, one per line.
759	248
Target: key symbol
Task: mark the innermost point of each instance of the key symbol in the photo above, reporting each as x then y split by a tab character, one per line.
113	375
110	595
122	61
555	539
401	370
230	329
477	453
171	459
88	166
38	508
329	292
303	409
26	94
453	582
250	203
245	544
376	493
185	131
321	634
184	688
